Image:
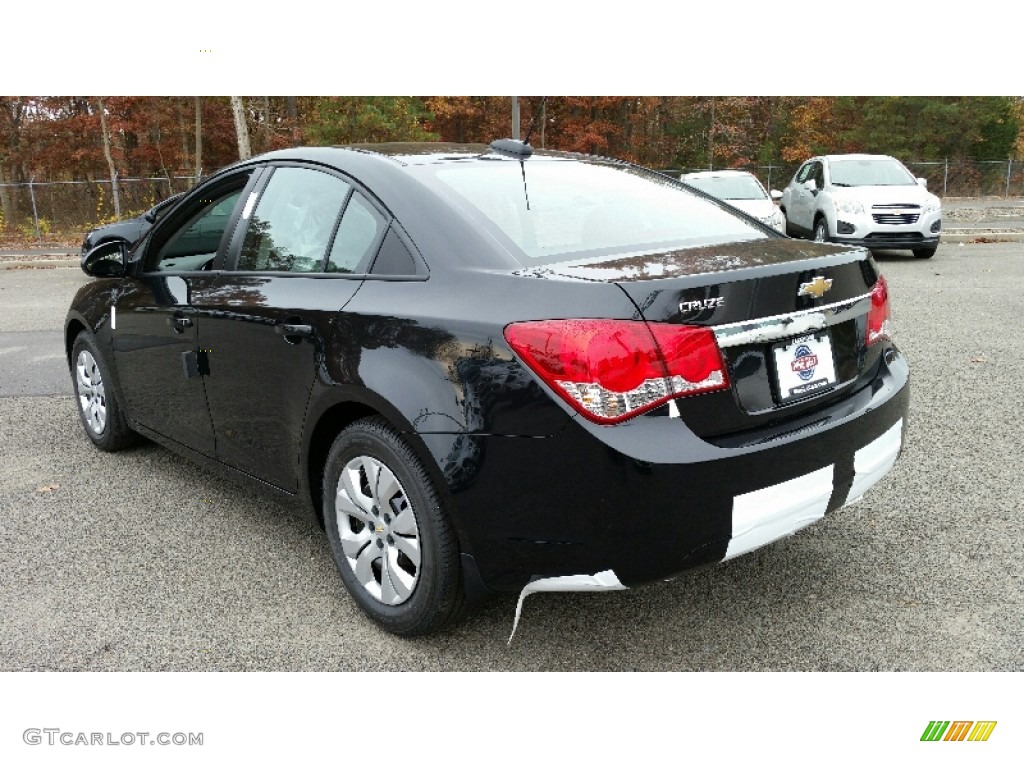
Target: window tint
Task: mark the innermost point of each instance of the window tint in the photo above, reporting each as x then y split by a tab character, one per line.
194	245
291	227
394	258
819	175
566	207
358	234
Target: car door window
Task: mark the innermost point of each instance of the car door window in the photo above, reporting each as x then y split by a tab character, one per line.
194	245
804	173
291	227
357	238
819	176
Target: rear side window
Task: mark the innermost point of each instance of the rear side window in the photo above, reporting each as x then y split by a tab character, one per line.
359	234
549	209
291	227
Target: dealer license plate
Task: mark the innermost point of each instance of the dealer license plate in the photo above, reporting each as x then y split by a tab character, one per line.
804	366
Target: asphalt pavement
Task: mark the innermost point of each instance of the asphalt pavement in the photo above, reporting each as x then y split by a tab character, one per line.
140	561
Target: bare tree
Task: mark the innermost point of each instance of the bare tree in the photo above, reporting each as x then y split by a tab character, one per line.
110	158
241	128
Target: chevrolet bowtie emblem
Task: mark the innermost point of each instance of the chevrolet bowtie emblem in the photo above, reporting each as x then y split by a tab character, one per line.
815	288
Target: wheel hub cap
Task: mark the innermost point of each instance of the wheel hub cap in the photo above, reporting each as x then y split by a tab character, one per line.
383	551
92	397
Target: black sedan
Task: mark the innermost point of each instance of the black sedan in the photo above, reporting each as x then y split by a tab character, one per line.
489	369
129	230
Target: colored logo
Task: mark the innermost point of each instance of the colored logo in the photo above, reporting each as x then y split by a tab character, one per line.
804	362
958	730
816	288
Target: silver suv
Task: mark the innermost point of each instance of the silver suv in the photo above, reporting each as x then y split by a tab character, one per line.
867	200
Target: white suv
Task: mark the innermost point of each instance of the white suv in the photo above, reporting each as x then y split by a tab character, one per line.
867	200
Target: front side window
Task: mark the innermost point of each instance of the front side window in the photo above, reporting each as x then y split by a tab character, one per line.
290	229
194	244
804	173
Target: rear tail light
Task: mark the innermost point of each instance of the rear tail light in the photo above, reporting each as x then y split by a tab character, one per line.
879	317
611	370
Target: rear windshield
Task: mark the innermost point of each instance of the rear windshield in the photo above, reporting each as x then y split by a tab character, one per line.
729	187
554	209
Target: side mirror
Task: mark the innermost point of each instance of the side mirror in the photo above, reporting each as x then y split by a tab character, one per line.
776	195
922	181
106	259
811	185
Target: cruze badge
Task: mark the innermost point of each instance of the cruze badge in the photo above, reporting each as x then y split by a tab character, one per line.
693	306
815	288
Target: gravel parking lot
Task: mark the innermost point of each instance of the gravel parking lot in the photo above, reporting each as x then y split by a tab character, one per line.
139	561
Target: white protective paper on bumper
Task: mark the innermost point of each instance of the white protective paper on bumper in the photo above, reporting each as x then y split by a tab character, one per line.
599	582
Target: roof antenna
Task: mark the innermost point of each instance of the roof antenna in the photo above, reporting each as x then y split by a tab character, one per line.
526	194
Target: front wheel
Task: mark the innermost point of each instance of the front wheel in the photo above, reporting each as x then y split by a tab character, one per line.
391	539
925	253
821	231
98	407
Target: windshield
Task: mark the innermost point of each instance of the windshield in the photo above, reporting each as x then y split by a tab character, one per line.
730	187
874	172
582	207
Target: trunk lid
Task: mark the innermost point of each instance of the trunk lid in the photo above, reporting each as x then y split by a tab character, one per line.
789	316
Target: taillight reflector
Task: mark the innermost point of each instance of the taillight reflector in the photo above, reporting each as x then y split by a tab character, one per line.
880	316
612	370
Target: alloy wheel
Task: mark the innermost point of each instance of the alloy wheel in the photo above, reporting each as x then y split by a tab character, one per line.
92	397
378	530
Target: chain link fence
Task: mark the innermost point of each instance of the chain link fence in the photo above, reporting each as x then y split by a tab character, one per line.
946	178
62	211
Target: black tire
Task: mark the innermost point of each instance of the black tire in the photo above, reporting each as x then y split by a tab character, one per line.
100	412
925	253
821	230
436	597
790	232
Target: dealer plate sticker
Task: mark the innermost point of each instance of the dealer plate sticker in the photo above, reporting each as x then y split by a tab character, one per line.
804	366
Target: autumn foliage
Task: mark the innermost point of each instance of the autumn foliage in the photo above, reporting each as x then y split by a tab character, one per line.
61	138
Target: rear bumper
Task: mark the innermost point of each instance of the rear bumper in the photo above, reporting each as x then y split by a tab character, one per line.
647	499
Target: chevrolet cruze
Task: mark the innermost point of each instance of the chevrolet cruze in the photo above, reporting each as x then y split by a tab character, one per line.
488	369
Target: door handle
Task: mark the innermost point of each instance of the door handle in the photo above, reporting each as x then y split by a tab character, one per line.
180	323
293	329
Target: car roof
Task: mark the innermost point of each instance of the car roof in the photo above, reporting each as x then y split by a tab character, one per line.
858	156
400	154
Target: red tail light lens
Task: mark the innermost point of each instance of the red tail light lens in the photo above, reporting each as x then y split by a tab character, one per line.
611	370
880	316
